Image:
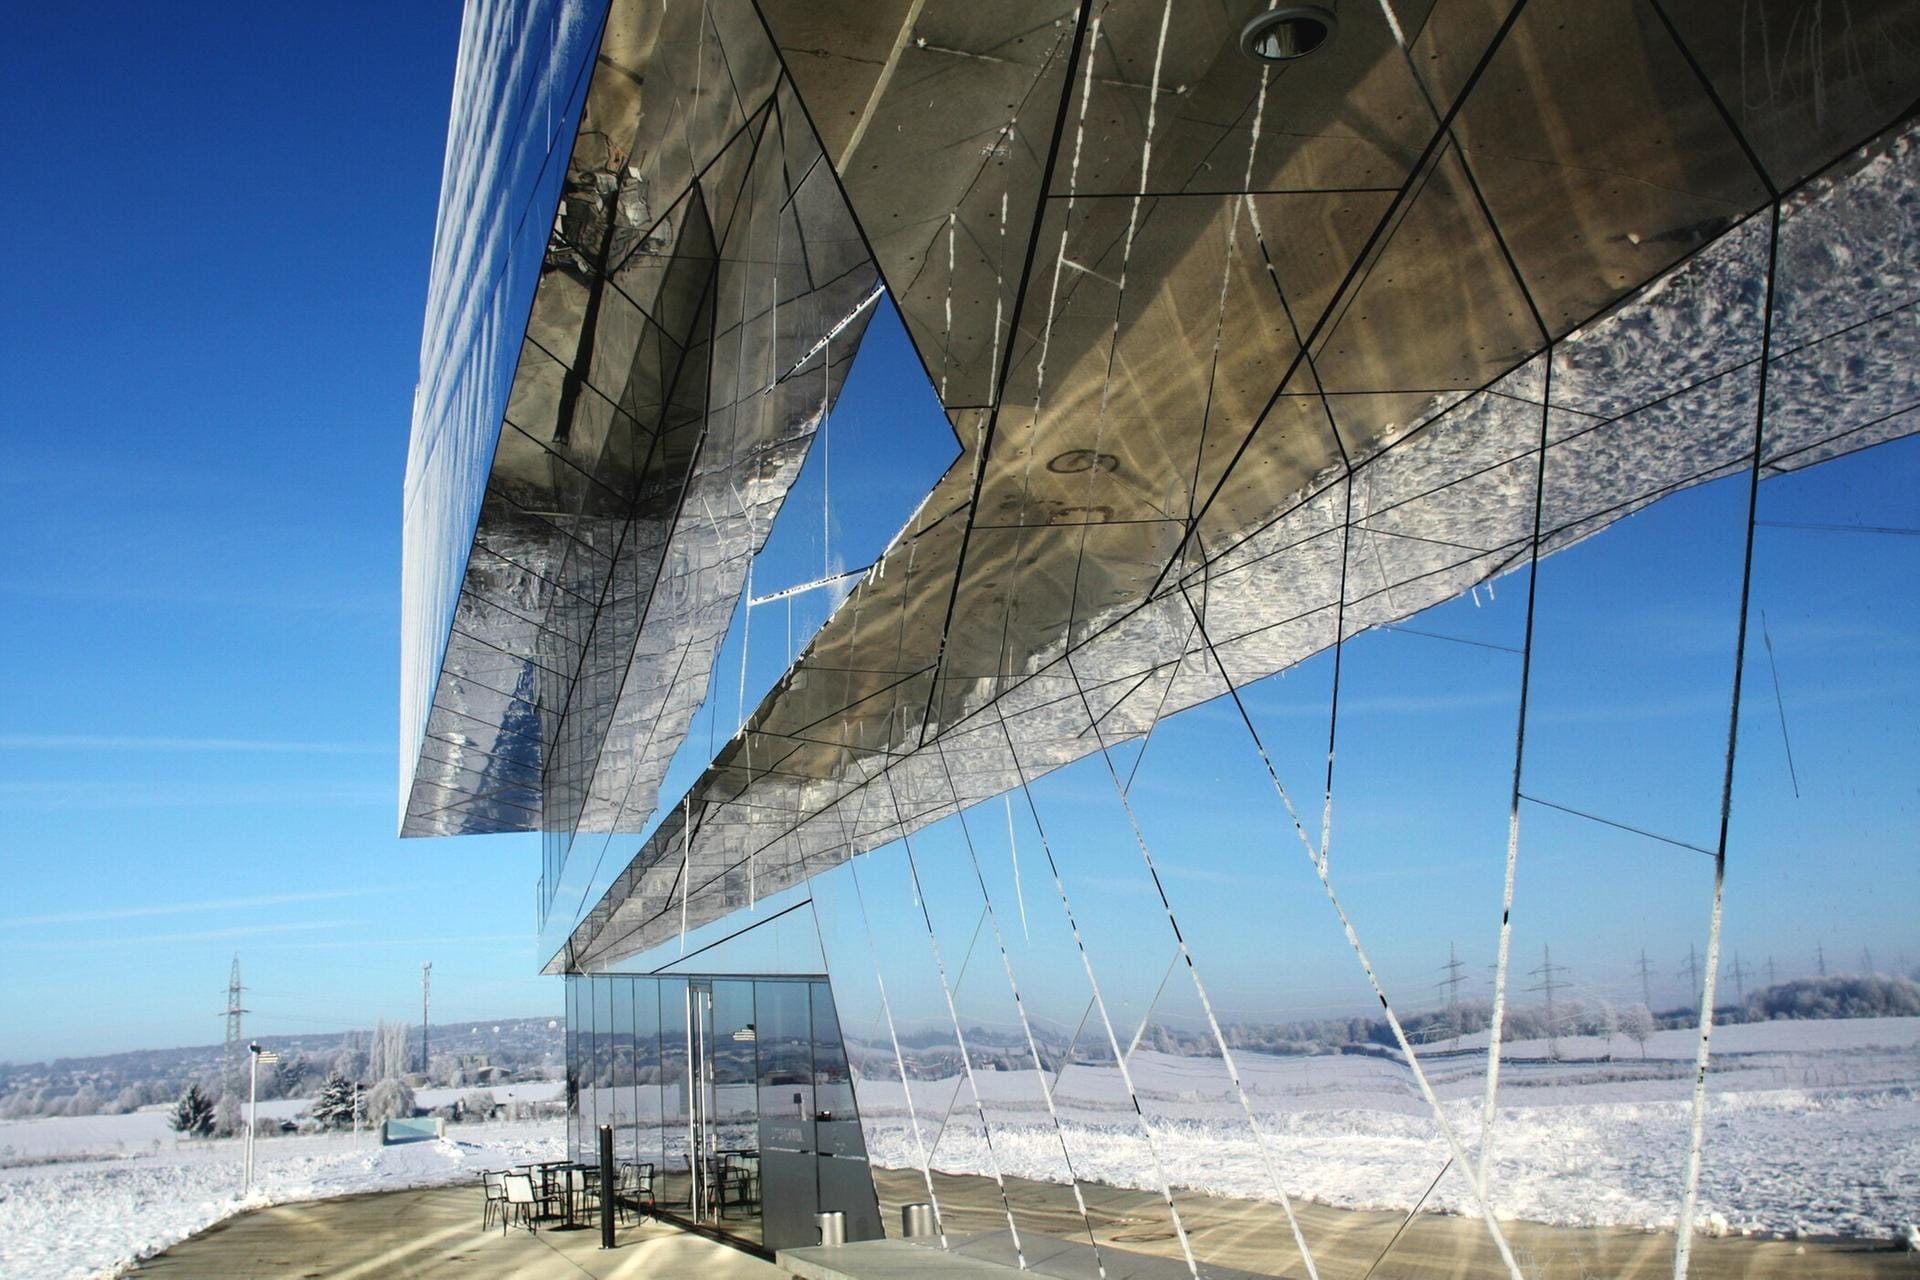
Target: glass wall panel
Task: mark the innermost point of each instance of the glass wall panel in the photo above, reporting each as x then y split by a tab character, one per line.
1816	998
576	992
621	1111
649	1137
783	1033
672	1181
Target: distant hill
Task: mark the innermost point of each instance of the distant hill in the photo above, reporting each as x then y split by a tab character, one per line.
519	1048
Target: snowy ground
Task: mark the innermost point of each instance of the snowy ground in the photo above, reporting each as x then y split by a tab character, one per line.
79	1218
145	1132
1812	1127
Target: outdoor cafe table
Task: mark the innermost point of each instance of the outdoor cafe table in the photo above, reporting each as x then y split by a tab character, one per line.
544	1170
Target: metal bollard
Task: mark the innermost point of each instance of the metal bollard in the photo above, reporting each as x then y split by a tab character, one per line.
916	1220
608	1188
833	1226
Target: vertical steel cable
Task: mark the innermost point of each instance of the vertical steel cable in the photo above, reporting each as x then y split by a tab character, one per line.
1099	1000
1318	860
1020	1008
953	1012
1200	990
1696	1131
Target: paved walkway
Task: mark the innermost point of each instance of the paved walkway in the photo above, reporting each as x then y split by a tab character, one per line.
435	1235
1348	1245
414	1235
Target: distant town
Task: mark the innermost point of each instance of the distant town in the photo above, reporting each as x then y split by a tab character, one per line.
476	1055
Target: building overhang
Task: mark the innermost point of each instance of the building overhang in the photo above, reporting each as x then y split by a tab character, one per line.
1244	359
687	331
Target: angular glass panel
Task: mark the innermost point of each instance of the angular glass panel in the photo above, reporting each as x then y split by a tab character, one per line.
1802	83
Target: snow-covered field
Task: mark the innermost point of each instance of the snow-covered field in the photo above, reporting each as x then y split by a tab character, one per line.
92	1217
145	1132
1812	1127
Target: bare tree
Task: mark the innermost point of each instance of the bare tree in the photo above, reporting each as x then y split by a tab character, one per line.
1637	1023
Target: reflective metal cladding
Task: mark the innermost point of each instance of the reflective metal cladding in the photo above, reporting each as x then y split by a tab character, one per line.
675	362
1244	359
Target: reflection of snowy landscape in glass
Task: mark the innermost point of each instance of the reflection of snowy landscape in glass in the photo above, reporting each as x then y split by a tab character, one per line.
83	1195
1813	1128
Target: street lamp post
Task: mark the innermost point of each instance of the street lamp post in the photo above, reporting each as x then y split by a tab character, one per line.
256	1055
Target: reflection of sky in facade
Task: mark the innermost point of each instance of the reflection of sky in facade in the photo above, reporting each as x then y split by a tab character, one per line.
1633	651
1107	459
1632	669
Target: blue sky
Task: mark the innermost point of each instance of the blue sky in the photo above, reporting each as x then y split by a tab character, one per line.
217	234
217	229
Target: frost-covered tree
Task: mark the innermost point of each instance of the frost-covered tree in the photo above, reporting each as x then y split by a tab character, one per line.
351	1058
391	1057
1607	1022
1839	996
1637	1024
287	1078
227	1119
333	1109
193	1114
389	1100
477	1105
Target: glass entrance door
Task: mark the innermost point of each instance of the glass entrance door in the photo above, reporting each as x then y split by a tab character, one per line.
723	1132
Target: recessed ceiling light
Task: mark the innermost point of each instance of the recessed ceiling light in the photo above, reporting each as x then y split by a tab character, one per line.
1077	460
1283	34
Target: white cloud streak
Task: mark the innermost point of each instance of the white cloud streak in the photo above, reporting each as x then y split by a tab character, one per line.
110	742
196	935
105	793
189	908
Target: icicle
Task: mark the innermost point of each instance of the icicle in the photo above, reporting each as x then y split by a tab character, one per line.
946	354
1013	847
826	467
999	301
686	865
838	326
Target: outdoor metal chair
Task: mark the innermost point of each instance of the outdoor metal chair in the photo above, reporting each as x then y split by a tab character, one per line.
634	1189
524	1204
738	1183
493	1186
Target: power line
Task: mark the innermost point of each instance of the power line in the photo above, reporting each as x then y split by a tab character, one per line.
1546	973
1453	968
236	1036
1692	969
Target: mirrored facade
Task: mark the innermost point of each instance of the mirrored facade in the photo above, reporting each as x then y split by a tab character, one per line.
731	1095
1390	748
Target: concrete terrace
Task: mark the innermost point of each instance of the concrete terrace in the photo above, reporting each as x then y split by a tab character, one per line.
435	1233
403	1235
